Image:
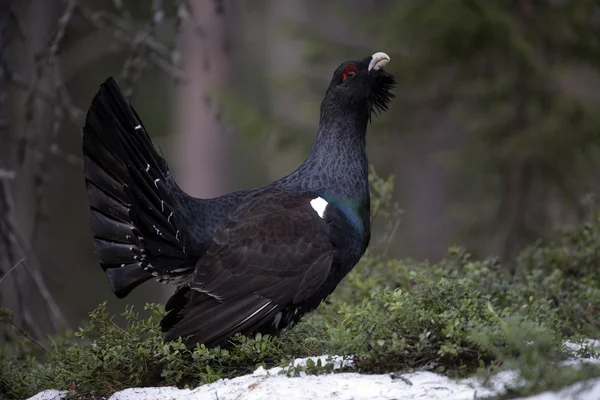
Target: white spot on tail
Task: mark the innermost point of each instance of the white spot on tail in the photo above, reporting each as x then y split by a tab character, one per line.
137	127
178	270
319	205
169	218
147	167
156	182
158	232
162	206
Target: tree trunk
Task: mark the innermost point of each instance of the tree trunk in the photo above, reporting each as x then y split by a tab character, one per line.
201	146
26	293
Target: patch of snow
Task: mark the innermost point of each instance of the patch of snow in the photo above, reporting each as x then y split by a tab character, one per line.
159	393
496	385
573	348
50	394
272	384
426	385
589	343
262	385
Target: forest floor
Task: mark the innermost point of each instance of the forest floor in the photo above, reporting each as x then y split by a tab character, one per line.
459	328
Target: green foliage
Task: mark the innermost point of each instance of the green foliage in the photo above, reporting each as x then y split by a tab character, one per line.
456	317
104	357
5	315
508	77
459	317
557	284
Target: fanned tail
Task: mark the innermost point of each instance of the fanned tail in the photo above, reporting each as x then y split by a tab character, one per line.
133	197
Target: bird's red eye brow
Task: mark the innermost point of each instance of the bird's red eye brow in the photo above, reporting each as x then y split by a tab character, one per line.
349	72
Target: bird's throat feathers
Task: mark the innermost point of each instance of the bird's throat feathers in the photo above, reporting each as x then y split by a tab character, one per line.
337	163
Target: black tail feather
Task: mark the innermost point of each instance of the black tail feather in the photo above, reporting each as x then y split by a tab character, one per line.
126	278
105	203
133	197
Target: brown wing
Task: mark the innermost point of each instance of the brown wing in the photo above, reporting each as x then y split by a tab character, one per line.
273	252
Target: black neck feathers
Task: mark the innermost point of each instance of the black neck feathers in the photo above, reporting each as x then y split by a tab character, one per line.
337	162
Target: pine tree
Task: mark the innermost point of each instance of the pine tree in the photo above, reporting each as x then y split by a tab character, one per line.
518	76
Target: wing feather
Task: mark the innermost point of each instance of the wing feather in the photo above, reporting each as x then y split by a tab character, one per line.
273	252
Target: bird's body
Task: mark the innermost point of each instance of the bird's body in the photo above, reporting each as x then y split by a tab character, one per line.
248	261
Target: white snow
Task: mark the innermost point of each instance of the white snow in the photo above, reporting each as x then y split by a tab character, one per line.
270	384
589	343
50	394
263	385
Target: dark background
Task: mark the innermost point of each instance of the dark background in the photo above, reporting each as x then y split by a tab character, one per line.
492	139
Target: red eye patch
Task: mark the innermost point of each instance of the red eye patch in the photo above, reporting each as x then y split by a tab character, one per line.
349	72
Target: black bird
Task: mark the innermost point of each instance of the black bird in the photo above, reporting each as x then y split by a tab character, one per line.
249	261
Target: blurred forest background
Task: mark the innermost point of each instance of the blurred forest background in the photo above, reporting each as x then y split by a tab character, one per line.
492	139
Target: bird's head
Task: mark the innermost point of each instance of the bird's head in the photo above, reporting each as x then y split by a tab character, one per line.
363	83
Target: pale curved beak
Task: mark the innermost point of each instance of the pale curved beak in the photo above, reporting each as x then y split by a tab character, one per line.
378	61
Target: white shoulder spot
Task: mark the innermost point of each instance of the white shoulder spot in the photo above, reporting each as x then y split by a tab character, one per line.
319	204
